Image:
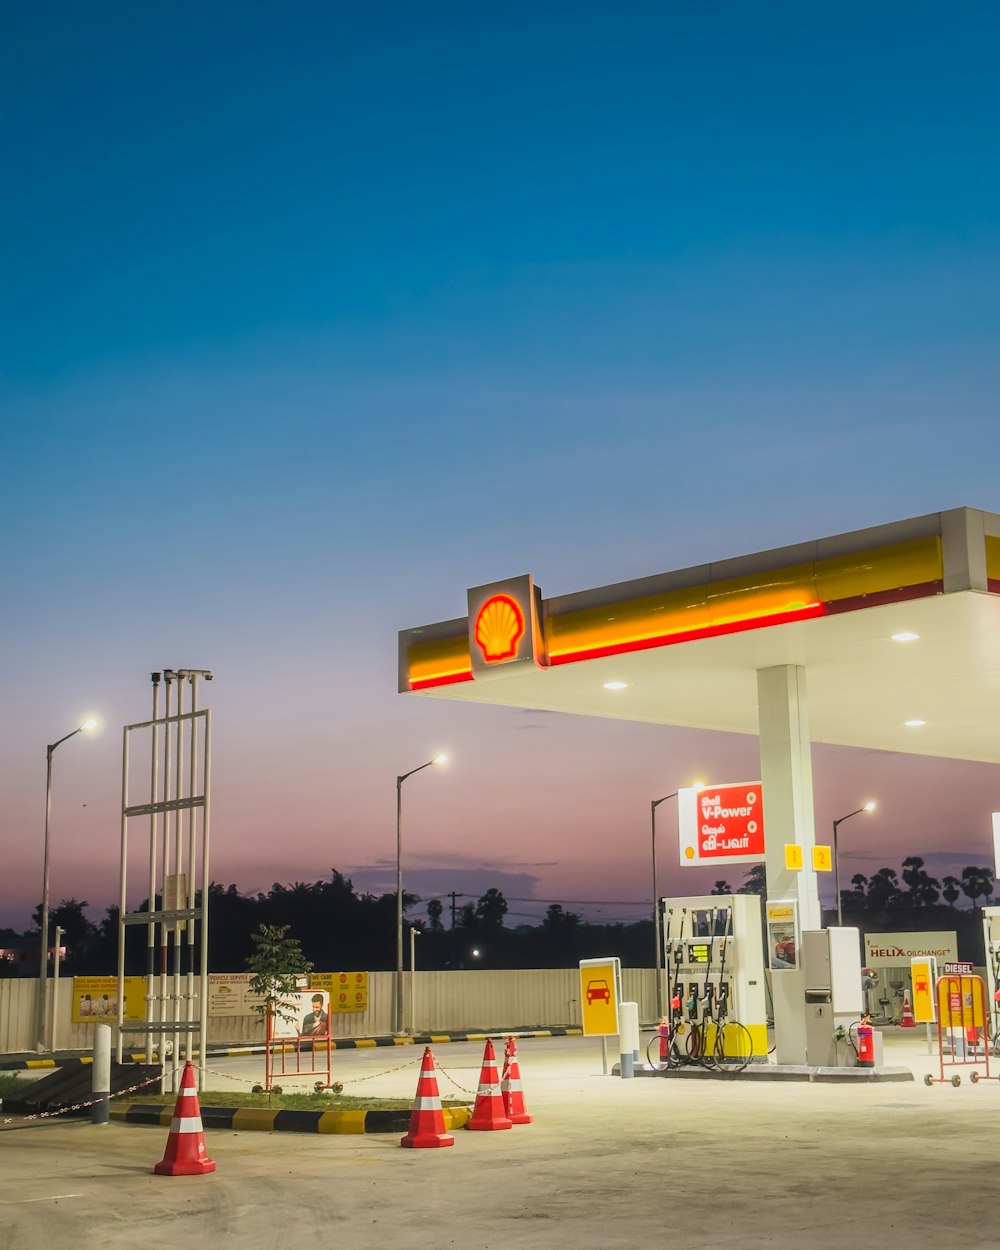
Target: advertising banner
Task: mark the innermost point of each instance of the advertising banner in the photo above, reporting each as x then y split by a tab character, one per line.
348	990
95	1000
782	935
895	950
721	824
229	994
312	1013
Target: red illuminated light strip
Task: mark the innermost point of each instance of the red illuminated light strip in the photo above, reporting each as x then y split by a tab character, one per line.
446	679
806	612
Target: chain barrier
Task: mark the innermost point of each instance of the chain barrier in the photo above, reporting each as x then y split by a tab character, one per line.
457	1084
79	1106
358	1080
227	1076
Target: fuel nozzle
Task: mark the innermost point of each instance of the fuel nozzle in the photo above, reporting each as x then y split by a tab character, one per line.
691	1003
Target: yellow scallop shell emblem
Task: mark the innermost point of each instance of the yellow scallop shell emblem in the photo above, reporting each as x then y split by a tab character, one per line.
499	628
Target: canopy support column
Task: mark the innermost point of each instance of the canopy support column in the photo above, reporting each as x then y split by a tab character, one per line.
786	782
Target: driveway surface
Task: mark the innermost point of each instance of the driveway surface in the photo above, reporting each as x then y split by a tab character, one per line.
606	1164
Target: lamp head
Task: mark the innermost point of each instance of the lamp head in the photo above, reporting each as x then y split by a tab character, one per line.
440	759
869	806
89	724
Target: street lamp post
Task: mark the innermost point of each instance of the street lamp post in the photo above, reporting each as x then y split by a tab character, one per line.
44	960
397	998
654	804
867	807
414	934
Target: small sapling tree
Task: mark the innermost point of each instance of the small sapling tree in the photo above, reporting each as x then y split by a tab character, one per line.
276	968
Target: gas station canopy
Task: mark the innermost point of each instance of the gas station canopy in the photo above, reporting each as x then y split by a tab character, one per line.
897	627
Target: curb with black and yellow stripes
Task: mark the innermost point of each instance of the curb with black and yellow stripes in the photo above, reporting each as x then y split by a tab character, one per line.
415	1039
343	1043
263	1119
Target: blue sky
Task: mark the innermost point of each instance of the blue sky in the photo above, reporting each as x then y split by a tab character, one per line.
315	315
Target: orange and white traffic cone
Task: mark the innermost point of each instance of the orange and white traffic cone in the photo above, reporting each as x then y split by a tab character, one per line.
427	1127
510	1087
906	1020
185	1154
488	1114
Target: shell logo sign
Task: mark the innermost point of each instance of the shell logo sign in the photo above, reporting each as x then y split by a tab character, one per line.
499	628
505	635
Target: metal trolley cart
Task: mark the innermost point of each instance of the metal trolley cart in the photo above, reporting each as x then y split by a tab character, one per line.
963	1022
302	1053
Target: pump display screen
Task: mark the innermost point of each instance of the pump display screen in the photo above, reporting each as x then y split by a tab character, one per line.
698	952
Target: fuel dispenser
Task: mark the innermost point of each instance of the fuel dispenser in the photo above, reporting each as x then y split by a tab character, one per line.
991	942
831	967
713	969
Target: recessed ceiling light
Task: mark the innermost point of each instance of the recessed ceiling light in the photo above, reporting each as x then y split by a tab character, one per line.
905	636
615	685
914	724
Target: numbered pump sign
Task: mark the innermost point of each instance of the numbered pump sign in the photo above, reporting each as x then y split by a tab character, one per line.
722	824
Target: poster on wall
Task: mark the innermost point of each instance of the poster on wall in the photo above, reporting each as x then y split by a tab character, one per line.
95	1000
782	935
348	990
229	994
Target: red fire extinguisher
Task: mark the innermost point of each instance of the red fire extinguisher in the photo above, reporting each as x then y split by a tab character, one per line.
664	1031
866	1043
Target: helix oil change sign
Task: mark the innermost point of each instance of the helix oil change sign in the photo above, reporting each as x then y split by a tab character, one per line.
721	824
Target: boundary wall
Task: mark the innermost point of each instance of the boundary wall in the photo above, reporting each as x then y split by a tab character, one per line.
444	1002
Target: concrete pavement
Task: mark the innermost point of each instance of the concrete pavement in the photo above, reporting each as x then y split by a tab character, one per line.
606	1164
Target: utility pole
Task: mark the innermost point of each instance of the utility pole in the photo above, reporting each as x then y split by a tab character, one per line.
454	907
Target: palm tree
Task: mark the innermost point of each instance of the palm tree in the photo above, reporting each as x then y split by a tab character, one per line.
854	900
491	909
952	887
755	881
883	889
924	889
976	883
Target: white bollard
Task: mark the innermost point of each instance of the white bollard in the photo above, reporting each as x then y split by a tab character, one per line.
100	1077
628	1037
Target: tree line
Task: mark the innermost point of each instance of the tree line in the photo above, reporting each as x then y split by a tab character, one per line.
882	891
340	929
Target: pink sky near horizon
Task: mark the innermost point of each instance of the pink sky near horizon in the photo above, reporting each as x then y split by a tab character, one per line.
548	807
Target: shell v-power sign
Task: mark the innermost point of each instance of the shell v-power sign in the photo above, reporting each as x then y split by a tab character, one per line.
721	824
